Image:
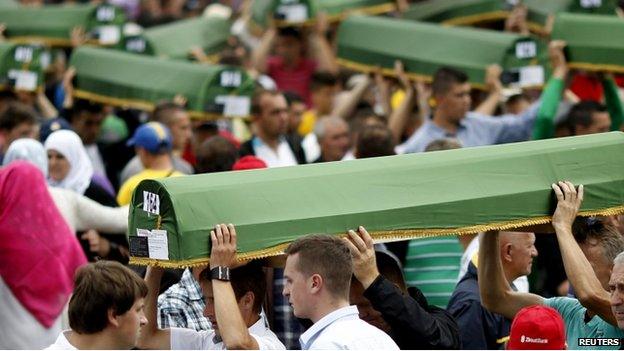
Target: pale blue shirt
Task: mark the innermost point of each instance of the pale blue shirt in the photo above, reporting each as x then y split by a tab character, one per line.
344	330
476	130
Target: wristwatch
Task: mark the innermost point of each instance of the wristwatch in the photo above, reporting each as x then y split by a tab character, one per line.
220	273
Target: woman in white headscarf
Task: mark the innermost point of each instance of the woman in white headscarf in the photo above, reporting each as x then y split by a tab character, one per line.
69	167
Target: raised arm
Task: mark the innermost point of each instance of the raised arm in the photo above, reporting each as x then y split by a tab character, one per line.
613	102
495	90
496	294
260	55
151	337
321	49
400	115
349	100
587	287
232	327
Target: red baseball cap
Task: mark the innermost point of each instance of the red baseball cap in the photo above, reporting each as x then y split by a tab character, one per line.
537	328
248	162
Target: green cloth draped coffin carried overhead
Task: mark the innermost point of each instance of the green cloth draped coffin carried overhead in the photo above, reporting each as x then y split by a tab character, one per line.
175	40
365	42
129	80
303	12
21	67
477	12
595	42
52	24
397	197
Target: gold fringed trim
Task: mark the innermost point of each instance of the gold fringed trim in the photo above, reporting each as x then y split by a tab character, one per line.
478	18
141	105
385	234
390	72
56	42
597	67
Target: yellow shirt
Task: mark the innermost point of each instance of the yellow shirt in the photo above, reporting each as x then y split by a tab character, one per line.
125	192
308	120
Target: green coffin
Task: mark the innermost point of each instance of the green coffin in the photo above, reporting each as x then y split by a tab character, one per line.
128	80
475	12
8	3
53	24
365	42
595	42
21	67
176	40
303	12
399	197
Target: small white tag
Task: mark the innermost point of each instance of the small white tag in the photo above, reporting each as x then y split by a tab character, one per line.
136	45
588	4
143	232
151	203
24	80
109	35
23	54
531	76
526	49
46	59
513	2
105	14
234	106
158	245
293	13
231	79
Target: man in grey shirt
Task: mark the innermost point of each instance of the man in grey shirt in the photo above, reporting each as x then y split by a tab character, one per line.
452	118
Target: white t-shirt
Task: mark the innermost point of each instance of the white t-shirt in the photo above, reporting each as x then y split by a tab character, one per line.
344	330
62	343
282	158
188	339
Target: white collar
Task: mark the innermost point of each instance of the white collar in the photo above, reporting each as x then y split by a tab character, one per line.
350	311
259	328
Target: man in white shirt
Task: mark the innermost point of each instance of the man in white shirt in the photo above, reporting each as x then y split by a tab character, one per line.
233	302
105	310
318	276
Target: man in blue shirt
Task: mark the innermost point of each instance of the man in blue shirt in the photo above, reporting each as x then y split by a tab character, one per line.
452	118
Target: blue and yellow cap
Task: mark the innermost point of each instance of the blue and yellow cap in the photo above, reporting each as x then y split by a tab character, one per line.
153	136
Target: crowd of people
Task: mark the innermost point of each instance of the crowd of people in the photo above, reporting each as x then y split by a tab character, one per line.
70	166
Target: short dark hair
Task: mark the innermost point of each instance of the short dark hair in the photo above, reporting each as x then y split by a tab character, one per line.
163	111
99	287
581	114
249	277
323	79
444	78
86	106
292	32
374	141
217	154
328	256
443	144
15	114
257	96
390	268
604	233
292	97
515	99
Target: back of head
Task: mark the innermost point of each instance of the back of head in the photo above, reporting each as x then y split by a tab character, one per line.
595	231
216	154
443	144
244	279
374	141
445	78
537	328
581	114
164	112
327	256
27	150
390	268
15	114
100	287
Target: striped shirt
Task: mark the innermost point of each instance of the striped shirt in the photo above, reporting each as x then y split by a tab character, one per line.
432	265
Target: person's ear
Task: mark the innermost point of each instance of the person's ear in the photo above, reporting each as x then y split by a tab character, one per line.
247	301
112	318
507	248
316	283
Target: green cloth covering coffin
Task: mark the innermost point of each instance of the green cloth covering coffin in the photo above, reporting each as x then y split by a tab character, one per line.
475	12
303	12
175	40
595	42
21	66
365	42
398	197
129	80
52	24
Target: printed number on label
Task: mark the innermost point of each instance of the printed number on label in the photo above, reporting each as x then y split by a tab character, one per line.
151	203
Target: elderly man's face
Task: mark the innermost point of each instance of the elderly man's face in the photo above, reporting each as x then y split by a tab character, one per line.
616	288
367	312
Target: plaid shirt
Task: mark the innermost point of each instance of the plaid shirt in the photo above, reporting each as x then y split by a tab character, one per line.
182	305
286	326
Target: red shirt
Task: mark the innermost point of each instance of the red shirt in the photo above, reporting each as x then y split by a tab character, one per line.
296	80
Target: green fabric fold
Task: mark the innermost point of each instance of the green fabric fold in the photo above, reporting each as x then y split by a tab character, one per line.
175	40
297	12
398	197
365	42
594	42
130	80
21	67
52	24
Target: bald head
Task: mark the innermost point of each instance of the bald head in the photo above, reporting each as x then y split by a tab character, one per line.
333	137
517	250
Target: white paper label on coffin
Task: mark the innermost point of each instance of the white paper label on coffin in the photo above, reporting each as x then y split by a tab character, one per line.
109	35
157	243
293	13
24	80
588	4
234	106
